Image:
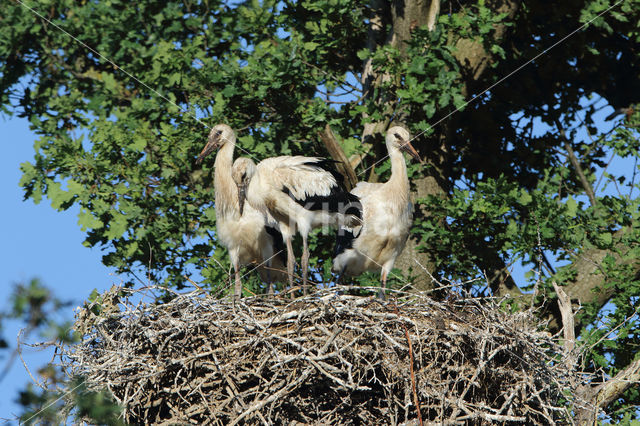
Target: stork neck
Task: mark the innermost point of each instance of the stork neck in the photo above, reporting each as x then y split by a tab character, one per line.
398	169
226	195
224	157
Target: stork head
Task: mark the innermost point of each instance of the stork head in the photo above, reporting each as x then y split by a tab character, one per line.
400	138
243	170
218	136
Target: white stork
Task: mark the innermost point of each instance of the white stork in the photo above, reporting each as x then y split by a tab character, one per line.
387	215
240	228
301	193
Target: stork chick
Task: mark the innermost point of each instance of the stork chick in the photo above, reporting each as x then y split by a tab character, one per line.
239	227
387	216
301	193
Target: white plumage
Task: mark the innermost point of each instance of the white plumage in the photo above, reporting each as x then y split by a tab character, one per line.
239	227
301	193
387	216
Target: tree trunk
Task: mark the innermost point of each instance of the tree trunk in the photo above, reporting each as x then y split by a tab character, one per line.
405	16
474	59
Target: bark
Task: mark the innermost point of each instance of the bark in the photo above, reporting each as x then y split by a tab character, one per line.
592	398
337	153
432	17
568	326
471	54
370	79
609	391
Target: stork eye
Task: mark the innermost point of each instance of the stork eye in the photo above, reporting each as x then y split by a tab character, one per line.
218	132
397	136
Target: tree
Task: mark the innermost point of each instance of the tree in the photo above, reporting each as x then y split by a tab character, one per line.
35	307
519	164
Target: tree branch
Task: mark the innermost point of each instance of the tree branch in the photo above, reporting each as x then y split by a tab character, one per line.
588	286
432	17
604	394
337	153
576	165
564	303
610	390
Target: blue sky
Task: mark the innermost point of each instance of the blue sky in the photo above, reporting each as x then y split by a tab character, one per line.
38	242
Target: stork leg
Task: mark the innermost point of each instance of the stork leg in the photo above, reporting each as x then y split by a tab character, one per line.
269	280
237	291
290	263
305	264
381	295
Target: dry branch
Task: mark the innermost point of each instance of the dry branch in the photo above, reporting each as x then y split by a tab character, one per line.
566	312
326	358
337	153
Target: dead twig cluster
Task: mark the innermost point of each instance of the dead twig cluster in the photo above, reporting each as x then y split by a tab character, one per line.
326	358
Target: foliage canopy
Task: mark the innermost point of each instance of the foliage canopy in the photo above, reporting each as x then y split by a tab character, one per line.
527	171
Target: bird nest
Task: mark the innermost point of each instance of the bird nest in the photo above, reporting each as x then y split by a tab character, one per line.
326	358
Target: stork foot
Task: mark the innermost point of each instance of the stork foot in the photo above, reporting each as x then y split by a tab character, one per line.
381	294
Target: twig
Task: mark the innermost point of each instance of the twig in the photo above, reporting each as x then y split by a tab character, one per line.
413	377
576	164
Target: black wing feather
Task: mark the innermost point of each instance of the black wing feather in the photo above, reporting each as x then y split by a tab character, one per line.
278	242
344	241
338	200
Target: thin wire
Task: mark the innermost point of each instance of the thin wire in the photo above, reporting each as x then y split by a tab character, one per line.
54	401
386	156
431	126
128	74
116	66
173	103
260	264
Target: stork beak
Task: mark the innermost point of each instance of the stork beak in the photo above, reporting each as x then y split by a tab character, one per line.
212	144
407	147
242	196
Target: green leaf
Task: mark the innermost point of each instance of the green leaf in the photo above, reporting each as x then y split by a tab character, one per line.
572	206
138	144
109	82
525	198
59	197
310	46
605	238
174	79
363	54
87	221
117	226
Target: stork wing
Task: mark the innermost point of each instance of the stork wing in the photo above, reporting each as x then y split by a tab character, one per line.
304	177
311	181
363	189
